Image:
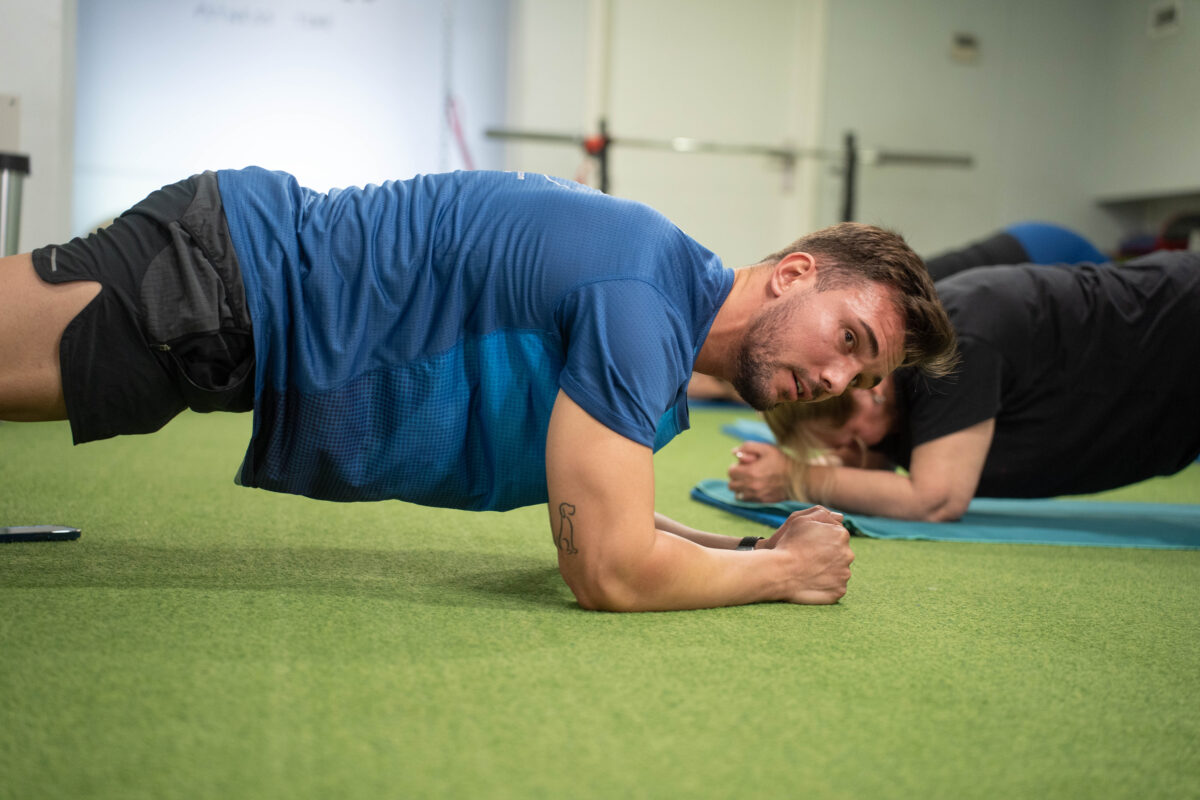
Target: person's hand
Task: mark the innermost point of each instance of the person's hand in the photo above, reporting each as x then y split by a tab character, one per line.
820	546
760	473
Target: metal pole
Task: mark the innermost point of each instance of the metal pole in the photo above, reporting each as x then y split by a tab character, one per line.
851	178
13	169
602	156
850	154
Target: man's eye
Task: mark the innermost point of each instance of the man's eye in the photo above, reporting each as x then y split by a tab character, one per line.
849	338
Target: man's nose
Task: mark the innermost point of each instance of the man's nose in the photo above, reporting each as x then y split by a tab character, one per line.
838	376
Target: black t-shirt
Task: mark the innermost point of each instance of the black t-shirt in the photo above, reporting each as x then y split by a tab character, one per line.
1091	372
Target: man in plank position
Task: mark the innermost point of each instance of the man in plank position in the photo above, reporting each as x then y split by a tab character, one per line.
471	340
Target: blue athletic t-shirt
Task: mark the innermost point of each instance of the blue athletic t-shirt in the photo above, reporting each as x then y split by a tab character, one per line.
411	337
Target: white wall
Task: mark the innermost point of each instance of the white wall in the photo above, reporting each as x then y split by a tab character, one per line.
337	92
1071	102
711	70
1045	112
1026	112
549	83
1150	142
727	73
37	57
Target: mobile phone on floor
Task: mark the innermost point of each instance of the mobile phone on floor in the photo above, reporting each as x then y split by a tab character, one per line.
38	533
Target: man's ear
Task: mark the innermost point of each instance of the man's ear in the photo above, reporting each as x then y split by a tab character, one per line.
794	269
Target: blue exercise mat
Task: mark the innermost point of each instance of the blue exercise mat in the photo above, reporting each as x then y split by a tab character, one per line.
1156	526
749	430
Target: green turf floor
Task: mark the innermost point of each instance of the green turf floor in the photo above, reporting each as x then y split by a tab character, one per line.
207	641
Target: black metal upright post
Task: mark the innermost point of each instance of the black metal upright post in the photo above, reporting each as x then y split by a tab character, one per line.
851	178
602	156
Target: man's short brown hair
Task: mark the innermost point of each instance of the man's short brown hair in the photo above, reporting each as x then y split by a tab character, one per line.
851	252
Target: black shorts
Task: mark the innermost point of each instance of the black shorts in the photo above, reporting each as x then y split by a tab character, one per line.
170	328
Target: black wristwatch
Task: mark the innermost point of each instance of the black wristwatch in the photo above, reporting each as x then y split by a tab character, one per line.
748	542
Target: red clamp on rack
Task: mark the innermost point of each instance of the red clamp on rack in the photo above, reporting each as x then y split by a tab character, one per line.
595	145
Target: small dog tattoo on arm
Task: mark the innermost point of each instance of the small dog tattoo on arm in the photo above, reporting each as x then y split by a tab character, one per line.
565	538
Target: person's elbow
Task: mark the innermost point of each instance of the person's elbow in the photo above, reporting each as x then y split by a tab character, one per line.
601	587
950	512
940	505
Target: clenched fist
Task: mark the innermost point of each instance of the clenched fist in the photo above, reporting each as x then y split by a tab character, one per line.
760	473
819	546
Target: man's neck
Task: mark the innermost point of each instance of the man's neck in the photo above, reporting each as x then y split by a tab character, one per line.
718	354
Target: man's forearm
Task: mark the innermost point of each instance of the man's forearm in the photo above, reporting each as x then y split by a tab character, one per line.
612	556
717	541
808	563
680	574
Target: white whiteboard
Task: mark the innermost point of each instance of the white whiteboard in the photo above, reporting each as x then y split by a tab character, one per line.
337	92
